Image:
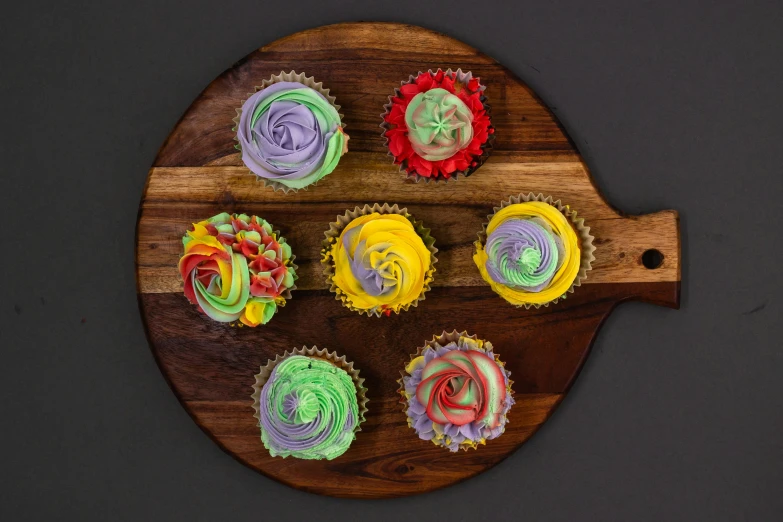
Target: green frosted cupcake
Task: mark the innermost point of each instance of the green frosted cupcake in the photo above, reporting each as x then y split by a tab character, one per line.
309	404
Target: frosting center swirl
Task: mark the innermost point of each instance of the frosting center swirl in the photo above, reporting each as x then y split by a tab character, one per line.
523	253
439	124
462	387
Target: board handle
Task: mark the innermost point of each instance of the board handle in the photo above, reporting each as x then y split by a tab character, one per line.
652	257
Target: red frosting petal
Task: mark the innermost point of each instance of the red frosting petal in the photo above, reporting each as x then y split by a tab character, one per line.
425	82
409	90
263	286
448	84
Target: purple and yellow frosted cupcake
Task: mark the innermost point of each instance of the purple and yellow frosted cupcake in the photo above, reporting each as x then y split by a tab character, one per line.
456	392
378	259
534	250
309	404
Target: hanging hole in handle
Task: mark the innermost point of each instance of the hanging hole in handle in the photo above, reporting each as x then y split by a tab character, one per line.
652	259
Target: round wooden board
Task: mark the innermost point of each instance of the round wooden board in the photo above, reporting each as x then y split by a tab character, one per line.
210	367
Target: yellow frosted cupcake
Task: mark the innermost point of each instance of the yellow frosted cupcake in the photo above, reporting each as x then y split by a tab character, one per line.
378	259
534	250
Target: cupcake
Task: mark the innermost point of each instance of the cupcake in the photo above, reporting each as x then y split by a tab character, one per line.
378	259
437	125
290	132
456	392
309	404
236	269
534	250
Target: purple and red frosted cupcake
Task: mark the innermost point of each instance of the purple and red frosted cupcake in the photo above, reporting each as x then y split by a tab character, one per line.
456	392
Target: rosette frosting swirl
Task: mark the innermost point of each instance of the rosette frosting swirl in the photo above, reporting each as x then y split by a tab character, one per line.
439	124
235	268
531	255
308	409
291	134
381	263
458	395
523	253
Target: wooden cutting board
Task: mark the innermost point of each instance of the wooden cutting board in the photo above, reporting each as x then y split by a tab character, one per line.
210	366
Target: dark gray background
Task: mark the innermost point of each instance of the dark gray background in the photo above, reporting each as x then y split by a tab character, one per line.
677	414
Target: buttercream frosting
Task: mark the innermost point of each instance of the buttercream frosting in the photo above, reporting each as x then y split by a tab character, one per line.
458	394
380	262
308	409
531	255
236	268
291	134
439	124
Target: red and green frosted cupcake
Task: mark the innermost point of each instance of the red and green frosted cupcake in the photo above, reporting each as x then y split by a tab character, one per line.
437	125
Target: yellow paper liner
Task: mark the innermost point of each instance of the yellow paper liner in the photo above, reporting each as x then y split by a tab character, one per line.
339	361
333	234
486	147
290	76
586	246
442	340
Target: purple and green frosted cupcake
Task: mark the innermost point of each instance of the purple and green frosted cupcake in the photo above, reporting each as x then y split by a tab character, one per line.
290	132
456	392
309	404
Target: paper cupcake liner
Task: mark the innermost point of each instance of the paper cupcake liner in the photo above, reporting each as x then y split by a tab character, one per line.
290	76
586	246
442	340
333	234
339	361
486	148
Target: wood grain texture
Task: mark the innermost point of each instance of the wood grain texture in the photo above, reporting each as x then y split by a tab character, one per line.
210	366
